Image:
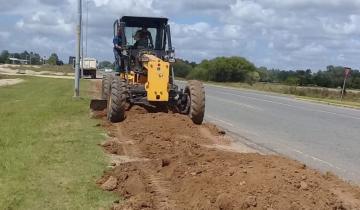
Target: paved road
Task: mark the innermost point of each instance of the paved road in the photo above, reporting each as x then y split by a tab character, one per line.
322	136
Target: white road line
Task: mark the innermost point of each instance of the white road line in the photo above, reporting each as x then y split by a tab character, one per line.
273	94
284	104
281	96
219	120
281	145
235	103
317	159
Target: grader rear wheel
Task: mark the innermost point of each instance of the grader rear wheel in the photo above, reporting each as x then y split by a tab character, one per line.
196	93
117	101
105	88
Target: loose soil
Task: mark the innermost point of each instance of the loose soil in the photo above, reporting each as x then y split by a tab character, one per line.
6	82
9	69
164	161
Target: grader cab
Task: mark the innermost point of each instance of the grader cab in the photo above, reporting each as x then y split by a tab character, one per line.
146	75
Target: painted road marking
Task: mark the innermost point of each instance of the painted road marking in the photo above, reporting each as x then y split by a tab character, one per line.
219	120
235	103
284	104
281	96
277	146
276	95
324	162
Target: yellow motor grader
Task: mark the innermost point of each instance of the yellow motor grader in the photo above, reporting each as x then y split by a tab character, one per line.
146	76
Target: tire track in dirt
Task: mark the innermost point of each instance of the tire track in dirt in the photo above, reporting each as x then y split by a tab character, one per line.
159	186
126	151
164	161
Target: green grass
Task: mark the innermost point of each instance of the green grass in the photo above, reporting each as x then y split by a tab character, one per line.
49	158
332	102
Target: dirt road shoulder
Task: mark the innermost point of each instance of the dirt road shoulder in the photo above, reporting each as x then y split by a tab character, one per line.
164	161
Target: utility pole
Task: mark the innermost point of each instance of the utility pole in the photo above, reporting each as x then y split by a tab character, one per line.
347	72
82	52
86	28
77	60
82	46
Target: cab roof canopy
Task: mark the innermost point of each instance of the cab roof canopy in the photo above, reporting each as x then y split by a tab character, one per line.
149	22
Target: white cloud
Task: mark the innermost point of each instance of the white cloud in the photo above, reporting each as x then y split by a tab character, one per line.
251	12
352	26
4	35
20	23
276	33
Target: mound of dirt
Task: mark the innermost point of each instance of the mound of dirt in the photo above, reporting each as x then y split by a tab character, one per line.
166	162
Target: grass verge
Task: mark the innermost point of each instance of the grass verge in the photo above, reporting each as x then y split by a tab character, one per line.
333	102
49	158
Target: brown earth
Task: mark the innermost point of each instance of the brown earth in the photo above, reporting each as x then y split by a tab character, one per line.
164	161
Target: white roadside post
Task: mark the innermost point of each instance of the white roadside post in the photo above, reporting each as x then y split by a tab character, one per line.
77	60
346	73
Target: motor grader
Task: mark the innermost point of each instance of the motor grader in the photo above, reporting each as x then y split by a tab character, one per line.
146	76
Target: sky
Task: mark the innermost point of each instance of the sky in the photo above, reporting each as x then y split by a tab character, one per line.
285	34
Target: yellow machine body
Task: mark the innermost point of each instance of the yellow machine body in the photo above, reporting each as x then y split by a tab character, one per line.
157	80
157	85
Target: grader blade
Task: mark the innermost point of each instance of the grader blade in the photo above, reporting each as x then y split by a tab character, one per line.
98	104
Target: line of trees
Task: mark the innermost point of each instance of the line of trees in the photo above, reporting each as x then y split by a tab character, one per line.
33	58
238	69
331	77
106	64
221	69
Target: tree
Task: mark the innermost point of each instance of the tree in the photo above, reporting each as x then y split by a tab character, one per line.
106	64
355	83
25	55
4	56
223	69
252	77
182	68
16	55
35	58
292	80
53	59
264	74
322	79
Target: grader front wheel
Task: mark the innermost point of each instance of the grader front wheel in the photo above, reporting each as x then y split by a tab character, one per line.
196	93
117	101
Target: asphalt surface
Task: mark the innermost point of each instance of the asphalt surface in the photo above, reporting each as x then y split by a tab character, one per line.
322	136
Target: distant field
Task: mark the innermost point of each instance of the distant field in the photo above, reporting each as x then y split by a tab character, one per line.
49	158
64	68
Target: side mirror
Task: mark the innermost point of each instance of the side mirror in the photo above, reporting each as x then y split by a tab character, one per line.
172	55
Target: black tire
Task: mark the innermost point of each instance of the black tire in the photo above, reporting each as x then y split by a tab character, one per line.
105	86
117	101
195	90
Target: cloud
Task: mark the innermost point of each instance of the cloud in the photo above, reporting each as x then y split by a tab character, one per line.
4	35
276	33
